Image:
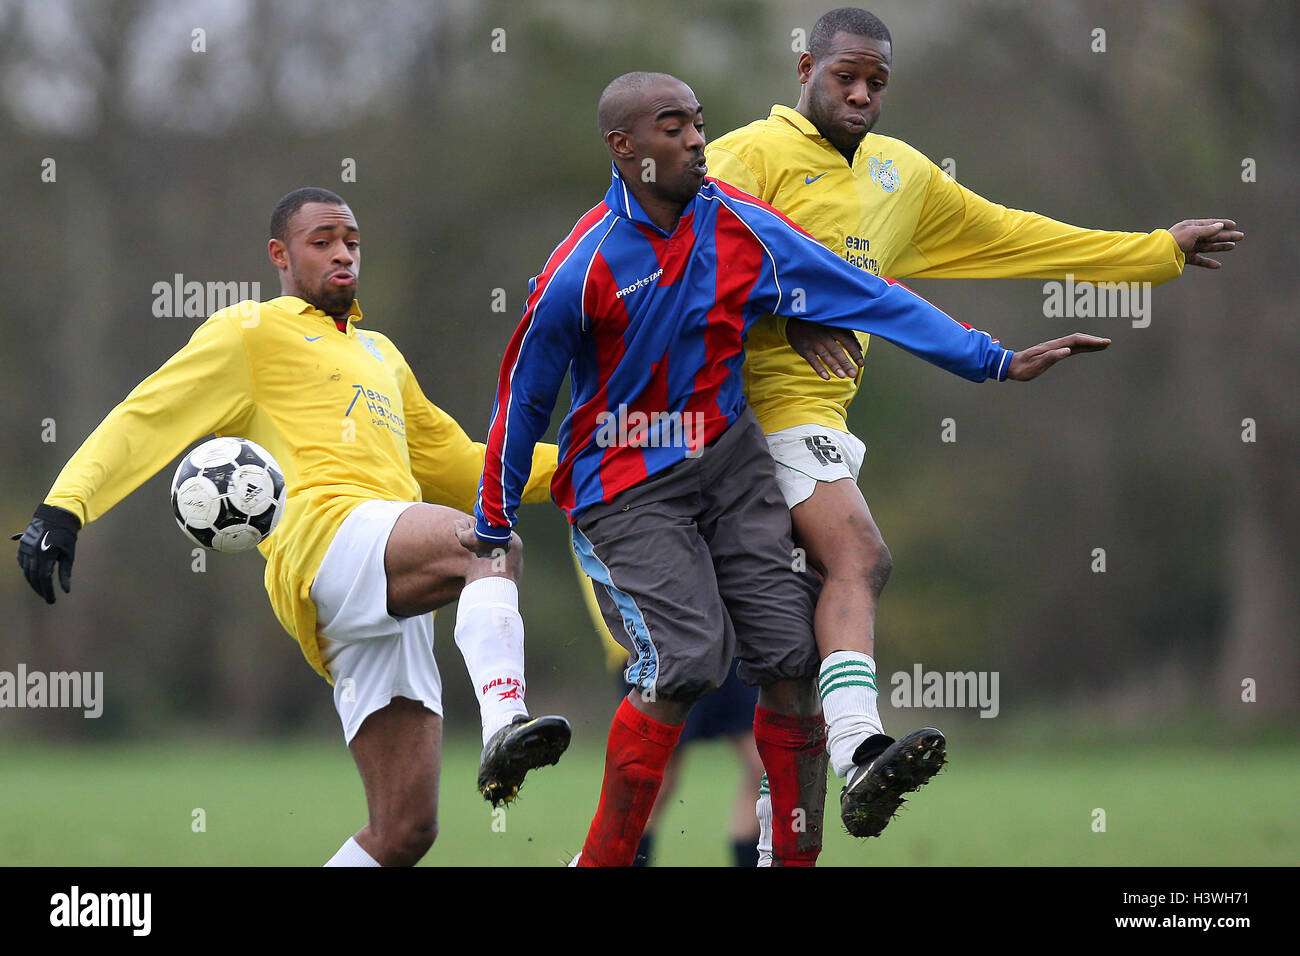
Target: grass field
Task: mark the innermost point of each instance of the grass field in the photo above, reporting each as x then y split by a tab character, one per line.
294	803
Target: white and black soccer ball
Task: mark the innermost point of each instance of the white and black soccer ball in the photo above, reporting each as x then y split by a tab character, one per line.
228	494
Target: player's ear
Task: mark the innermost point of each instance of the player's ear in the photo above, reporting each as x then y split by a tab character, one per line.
620	144
278	254
803	69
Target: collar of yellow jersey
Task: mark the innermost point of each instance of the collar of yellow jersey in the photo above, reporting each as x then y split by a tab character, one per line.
291	303
789	114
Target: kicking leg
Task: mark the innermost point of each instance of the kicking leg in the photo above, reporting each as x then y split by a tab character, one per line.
844	545
428	567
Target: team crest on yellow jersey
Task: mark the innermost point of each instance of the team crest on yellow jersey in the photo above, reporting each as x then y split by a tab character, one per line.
884	174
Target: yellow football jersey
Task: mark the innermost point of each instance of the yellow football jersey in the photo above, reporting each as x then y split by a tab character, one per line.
896	214
340	411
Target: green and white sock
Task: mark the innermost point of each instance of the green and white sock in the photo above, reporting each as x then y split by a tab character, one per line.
848	687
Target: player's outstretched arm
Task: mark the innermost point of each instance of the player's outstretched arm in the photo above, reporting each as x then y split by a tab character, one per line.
801	278
204	387
1034	361
1199	236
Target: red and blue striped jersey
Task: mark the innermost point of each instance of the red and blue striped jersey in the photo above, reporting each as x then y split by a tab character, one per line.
650	327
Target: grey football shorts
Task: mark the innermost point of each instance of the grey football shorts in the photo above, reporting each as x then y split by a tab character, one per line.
695	565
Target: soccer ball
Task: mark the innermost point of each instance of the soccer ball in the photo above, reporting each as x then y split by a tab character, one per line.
228	494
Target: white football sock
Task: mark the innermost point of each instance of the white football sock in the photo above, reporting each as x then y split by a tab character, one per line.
764	811
848	687
351	854
490	635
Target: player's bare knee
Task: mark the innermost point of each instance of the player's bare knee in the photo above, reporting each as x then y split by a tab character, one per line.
406	843
878	572
499	562
423	835
868	557
796	697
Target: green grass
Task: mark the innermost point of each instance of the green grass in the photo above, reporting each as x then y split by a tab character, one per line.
294	803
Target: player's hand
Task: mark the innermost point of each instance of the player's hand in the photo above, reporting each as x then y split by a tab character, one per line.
1197	236
474	544
829	351
1034	361
50	538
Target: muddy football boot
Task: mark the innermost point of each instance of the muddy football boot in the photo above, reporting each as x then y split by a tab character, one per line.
524	743
885	769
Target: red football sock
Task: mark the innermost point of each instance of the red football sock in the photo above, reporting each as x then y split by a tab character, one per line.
794	755
638	751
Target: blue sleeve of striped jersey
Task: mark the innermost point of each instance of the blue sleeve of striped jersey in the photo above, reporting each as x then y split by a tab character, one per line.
551	332
811	282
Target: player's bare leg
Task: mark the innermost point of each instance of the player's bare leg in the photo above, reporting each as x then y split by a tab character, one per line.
428	566
836	529
398	751
844	545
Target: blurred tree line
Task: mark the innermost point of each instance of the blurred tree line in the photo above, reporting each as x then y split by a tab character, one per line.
173	128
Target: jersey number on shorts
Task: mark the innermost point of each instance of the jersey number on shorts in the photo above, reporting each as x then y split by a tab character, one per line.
825	449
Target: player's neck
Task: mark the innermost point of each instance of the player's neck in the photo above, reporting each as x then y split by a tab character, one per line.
664	213
848	153
340	318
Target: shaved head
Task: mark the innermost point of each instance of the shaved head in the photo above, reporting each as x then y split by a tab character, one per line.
653	127
624	100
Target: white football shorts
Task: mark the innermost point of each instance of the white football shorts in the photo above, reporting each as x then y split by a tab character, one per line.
807	454
371	655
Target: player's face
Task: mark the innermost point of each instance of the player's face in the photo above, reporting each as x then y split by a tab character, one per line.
668	140
845	89
324	256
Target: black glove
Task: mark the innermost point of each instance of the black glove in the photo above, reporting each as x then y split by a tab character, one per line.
51	537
